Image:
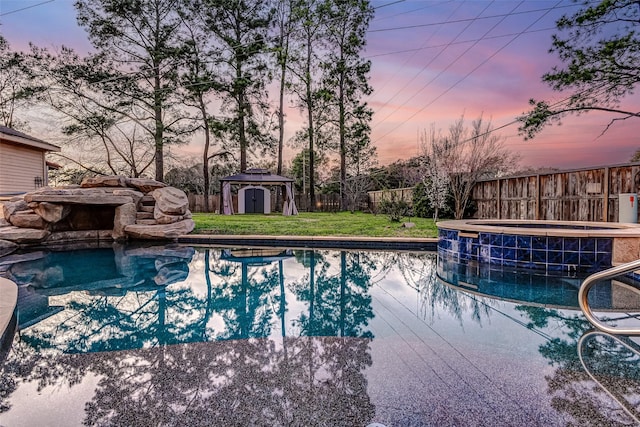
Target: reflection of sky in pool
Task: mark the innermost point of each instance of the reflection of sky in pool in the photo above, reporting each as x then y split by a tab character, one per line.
181	336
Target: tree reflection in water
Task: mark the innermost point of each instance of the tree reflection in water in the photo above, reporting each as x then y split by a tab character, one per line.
279	339
145	349
607	392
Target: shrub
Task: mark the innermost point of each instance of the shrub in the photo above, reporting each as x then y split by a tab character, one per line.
395	209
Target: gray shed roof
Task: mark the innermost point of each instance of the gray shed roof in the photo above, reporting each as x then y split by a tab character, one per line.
256	176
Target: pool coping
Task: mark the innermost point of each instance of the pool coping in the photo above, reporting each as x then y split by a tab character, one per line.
601	229
325	242
8	301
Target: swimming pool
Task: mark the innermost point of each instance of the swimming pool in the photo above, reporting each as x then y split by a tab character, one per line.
180	335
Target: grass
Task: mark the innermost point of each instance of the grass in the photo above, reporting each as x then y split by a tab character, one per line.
312	224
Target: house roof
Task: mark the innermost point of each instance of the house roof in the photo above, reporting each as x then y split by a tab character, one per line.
16	137
256	176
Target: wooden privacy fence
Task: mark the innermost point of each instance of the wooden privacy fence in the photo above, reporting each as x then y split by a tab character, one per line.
573	195
375	197
324	203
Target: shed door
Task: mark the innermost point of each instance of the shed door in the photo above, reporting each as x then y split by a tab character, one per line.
254	200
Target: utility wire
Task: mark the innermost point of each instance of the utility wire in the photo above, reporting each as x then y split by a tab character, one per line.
389	4
465	76
429	5
457	21
434	58
416	93
456	43
411	57
26	7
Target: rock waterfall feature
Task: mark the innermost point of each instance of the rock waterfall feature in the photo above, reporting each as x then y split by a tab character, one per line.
101	208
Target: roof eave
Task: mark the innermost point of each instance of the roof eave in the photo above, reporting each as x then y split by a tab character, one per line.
45	146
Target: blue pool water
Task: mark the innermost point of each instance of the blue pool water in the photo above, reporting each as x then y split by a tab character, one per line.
176	335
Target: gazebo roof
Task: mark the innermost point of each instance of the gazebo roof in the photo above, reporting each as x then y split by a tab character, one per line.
256	176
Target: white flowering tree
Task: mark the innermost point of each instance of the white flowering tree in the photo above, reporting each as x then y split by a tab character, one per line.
435	177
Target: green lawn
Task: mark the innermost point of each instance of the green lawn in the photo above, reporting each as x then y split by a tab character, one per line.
312	224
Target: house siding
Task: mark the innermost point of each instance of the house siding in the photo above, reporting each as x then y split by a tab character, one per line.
19	167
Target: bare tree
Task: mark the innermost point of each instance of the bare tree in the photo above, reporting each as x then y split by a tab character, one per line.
468	155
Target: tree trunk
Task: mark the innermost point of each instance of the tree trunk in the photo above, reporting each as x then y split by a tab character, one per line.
205	154
158	134
312	192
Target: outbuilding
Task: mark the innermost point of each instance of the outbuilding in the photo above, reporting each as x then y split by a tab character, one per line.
253	196
23	166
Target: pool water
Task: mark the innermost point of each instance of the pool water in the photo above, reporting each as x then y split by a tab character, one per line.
176	335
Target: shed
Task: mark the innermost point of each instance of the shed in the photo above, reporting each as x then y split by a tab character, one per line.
253	197
22	162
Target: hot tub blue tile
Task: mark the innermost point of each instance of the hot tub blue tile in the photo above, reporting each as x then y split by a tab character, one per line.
496	261
495	239
587	245
524	254
485	238
496	252
587	258
571	244
604	245
509	241
554	257
539	256
475	248
571	258
524	242
555	267
539	242
554	243
509	254
603	258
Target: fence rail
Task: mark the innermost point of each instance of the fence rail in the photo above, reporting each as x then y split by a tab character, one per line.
575	195
324	203
375	197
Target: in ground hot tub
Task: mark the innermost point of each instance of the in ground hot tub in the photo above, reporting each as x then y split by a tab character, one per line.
545	245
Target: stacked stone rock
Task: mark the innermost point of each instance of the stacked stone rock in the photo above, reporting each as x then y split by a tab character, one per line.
132	208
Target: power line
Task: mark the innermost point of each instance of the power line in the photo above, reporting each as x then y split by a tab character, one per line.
457	21
465	76
410	11
388	4
411	57
415	93
457	43
426	66
26	7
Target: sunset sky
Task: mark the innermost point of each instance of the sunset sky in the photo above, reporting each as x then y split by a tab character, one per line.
432	61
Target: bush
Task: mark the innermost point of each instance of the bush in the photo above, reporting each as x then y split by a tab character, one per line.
395	209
